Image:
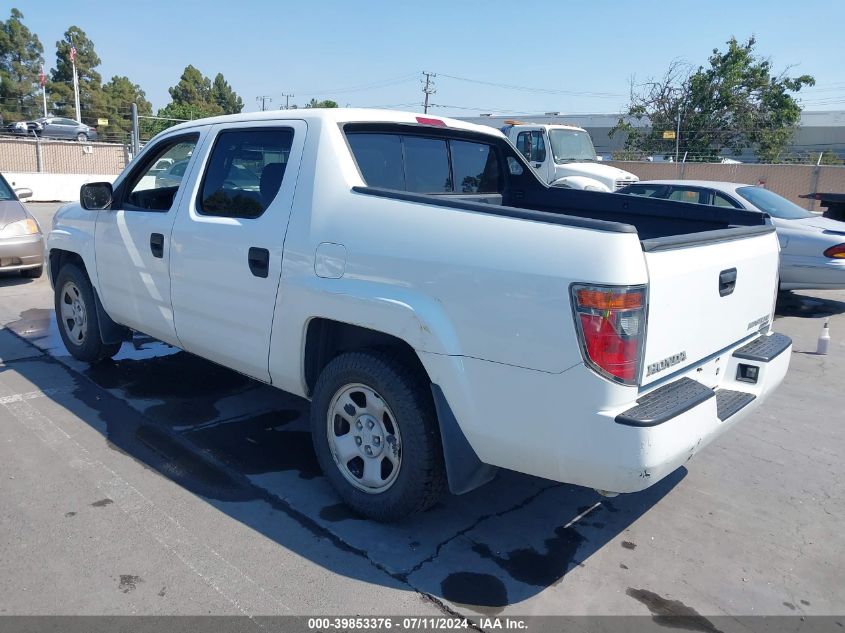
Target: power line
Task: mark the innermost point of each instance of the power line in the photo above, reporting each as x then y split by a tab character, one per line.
264	99
571	93
287	100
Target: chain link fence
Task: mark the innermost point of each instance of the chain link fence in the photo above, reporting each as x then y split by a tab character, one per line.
61	157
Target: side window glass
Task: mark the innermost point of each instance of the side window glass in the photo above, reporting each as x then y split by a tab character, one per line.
523	144
426	165
379	157
538	147
151	189
475	168
723	201
244	172
652	191
686	195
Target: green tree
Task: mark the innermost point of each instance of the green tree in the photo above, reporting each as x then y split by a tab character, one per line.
223	95
734	103
21	57
91	100
193	89
118	96
325	103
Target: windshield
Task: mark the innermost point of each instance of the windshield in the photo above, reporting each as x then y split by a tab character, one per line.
571	145
773	204
5	190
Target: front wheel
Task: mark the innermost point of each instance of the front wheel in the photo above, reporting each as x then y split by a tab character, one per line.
76	314
82	137
376	436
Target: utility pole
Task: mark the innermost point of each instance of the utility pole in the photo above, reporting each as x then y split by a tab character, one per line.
264	99
428	89
287	100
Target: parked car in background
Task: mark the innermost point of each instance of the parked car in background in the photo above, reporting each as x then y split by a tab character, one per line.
812	247
172	175
22	128
60	127
21	241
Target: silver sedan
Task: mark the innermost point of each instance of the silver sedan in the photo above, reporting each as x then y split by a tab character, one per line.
812	247
21	241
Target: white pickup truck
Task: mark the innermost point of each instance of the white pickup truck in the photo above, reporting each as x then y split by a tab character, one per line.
445	311
564	156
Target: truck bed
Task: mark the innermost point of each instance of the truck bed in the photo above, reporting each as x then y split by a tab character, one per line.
659	224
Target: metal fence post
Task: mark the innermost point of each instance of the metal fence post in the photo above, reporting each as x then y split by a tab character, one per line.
39	156
814	183
136	137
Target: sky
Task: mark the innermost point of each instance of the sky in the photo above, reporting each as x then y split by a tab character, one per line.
542	56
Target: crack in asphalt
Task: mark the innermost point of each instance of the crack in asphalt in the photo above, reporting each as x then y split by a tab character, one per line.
281	504
474	525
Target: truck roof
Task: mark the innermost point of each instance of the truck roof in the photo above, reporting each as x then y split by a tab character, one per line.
546	126
338	115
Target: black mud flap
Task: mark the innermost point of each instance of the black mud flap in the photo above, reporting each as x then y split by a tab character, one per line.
110	332
464	470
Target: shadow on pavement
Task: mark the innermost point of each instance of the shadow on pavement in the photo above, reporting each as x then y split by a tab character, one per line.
245	448
792	304
14	278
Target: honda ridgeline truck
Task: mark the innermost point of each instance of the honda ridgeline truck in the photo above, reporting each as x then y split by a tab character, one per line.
446	312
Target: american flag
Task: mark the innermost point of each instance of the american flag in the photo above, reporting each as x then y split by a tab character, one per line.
73	53
42	78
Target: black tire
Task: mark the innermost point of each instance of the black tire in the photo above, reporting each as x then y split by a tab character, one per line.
90	348
33	273
421	478
82	137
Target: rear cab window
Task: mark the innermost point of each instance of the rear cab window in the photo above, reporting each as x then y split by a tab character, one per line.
417	163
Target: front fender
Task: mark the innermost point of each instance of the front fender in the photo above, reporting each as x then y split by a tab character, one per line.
580	182
77	240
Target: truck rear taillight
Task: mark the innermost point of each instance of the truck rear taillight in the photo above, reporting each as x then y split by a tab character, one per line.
836	252
610	321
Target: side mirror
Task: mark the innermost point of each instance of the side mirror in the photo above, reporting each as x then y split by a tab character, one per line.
96	196
23	192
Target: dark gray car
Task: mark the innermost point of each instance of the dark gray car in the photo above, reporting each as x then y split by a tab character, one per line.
21	241
60	127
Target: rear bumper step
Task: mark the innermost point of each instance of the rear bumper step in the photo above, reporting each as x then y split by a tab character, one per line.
670	401
665	403
764	348
729	402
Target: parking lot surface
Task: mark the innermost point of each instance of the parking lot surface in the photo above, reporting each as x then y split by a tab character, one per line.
160	483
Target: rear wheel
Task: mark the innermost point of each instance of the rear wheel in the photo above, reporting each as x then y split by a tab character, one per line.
76	314
82	137
376	437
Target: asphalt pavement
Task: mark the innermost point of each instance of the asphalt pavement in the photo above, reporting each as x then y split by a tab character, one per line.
160	483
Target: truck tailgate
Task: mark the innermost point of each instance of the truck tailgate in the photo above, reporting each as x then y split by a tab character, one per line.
705	297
